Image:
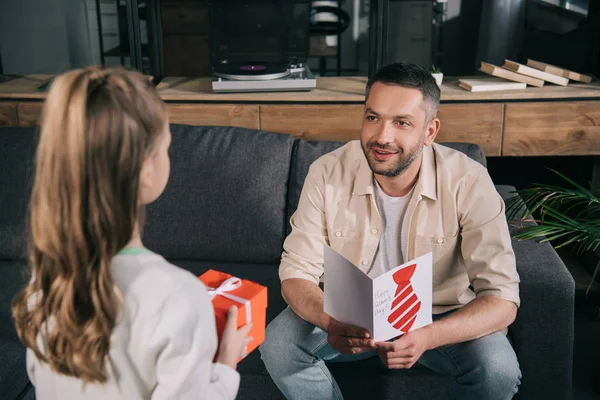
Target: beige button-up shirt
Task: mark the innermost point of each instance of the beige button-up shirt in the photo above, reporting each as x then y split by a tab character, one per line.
455	212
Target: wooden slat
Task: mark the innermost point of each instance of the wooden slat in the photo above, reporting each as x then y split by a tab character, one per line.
479	123
192	114
559	128
245	116
29	113
8	114
313	122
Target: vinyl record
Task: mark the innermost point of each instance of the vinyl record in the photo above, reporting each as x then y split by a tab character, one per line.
252	71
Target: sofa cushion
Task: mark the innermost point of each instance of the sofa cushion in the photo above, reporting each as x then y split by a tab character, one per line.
543	331
17	152
225	199
13	276
474	151
506	191
13	375
305	153
370	379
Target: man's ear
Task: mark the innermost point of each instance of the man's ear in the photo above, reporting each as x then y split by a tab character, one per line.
433	127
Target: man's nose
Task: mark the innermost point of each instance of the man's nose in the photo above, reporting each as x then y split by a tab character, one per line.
385	134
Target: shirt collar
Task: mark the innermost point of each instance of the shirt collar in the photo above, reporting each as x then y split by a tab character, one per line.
427	183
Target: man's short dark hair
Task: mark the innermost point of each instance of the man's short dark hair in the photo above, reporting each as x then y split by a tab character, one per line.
409	76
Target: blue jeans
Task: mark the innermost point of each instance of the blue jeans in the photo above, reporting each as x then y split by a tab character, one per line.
295	351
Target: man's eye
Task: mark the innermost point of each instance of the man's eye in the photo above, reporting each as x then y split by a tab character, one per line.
371	118
402	123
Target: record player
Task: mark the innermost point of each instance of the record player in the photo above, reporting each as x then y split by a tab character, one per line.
260	46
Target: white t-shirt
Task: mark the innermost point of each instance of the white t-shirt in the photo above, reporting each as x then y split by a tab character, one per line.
392	211
162	347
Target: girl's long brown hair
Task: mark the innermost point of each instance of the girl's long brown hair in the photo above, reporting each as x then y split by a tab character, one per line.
97	128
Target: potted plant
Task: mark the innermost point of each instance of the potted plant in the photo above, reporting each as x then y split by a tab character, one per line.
567	215
438	75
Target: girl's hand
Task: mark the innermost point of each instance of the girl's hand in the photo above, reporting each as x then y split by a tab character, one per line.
234	341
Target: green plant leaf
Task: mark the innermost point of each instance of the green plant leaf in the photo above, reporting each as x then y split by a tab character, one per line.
575	184
568	216
593	277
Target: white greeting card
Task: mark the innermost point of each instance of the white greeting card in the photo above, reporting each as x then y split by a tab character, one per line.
388	306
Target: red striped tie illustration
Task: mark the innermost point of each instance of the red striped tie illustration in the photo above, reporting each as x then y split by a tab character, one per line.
406	304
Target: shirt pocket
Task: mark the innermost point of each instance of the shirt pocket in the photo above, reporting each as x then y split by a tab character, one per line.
444	250
347	242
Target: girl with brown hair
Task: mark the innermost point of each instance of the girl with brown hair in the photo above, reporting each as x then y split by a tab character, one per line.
103	317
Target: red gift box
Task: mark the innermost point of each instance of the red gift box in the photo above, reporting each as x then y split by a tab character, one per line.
249	297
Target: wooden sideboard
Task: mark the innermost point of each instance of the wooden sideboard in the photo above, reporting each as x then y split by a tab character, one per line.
551	120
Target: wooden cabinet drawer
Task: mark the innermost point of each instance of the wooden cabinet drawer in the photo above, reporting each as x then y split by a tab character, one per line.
29	114
8	114
481	123
191	114
313	122
245	116
552	128
473	123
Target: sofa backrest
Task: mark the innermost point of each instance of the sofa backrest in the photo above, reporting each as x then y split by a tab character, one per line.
225	200
305	153
17	156
226	197
229	198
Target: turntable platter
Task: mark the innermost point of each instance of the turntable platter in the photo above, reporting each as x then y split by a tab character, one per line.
251	71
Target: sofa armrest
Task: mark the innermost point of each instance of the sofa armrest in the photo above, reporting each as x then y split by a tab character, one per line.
542	333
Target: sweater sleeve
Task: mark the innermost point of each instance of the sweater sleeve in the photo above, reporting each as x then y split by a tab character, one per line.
186	341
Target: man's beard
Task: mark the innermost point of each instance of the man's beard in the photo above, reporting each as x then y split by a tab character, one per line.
404	161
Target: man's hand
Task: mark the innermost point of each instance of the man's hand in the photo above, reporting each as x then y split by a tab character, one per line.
349	339
405	351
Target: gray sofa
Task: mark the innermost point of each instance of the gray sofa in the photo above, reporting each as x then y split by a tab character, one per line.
227	206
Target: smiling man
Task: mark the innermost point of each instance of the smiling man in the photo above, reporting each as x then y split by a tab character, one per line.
384	200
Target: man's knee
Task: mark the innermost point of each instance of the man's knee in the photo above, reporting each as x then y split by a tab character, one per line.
282	338
275	342
500	372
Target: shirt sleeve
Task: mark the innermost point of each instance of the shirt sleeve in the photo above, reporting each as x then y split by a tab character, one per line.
303	248
185	339
486	244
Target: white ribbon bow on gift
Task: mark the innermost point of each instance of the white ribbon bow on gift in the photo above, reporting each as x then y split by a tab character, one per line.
230	285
